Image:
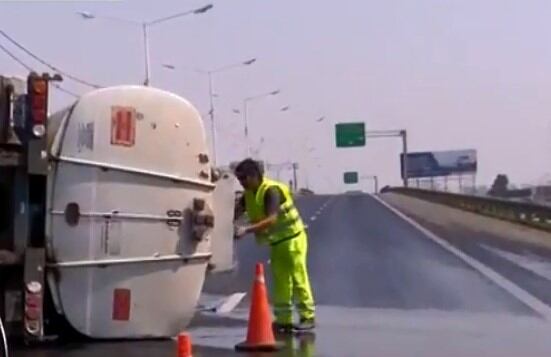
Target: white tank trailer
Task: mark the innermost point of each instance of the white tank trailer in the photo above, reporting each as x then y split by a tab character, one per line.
136	214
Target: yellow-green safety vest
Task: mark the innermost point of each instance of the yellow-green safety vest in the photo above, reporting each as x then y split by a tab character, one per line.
288	224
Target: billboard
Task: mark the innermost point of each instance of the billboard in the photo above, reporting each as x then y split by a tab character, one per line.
439	163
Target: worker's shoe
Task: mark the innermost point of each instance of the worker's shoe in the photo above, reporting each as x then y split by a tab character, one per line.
282	328
306	324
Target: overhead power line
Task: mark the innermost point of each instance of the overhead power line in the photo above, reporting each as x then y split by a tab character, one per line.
66	91
52	67
30	69
15	58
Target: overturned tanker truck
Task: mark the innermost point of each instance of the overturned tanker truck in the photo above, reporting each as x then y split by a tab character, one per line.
111	212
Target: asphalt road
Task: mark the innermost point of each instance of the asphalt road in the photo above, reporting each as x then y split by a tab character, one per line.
379	282
363	255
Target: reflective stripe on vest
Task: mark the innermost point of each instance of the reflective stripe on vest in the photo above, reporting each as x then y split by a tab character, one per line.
288	224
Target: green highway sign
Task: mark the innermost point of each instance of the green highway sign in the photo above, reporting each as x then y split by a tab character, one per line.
350	134
350	177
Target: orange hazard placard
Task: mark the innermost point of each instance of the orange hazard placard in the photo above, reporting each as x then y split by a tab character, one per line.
121	304
123	126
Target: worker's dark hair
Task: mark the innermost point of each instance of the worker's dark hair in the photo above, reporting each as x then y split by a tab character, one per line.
248	167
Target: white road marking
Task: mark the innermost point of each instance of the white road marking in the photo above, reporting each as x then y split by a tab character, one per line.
522	295
319	211
538	265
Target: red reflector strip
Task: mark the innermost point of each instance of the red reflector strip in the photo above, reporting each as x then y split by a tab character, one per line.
38	109
121	304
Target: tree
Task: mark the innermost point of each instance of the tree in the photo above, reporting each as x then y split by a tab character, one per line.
499	187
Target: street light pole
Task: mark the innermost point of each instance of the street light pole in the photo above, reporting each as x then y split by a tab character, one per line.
403	133
145	29
209	74
255	152
212	125
245	115
146	53
295	167
309	150
375	181
246	125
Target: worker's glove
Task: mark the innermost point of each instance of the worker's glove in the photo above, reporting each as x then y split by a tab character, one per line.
240	231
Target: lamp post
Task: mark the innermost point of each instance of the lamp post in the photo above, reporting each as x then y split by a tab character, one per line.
209	74
145	25
246	102
256	152
308	150
375	179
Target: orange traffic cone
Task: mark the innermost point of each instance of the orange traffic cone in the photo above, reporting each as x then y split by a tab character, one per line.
184	345
260	336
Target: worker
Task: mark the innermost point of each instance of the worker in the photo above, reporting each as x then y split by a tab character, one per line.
275	221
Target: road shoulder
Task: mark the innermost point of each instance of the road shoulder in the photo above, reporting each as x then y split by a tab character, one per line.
472	235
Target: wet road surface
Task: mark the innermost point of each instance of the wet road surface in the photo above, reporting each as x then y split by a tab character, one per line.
362	255
382	288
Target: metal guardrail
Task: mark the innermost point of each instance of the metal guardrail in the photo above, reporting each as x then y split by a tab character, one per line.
529	214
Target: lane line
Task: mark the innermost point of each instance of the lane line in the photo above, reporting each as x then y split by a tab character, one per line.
519	293
319	211
537	265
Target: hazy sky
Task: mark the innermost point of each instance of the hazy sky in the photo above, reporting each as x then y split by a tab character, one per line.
455	74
